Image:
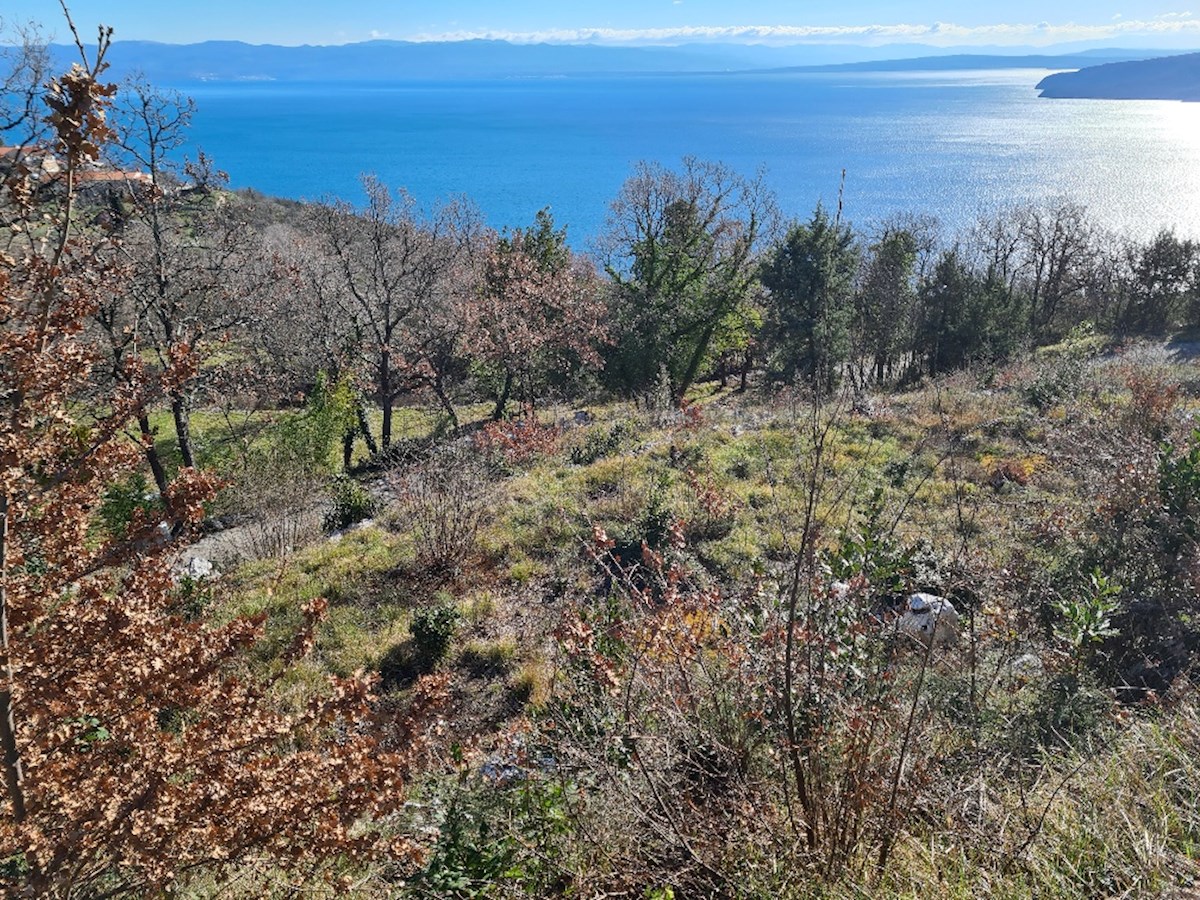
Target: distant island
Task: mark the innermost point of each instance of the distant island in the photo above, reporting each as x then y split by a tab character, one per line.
1167	78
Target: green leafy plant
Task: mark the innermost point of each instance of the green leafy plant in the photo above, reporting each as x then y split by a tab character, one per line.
1086	619
597	444
1061	378
124	500
350	502
433	629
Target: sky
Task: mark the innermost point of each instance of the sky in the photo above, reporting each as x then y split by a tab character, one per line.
871	22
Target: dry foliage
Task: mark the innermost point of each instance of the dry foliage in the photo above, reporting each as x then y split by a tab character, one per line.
539	311
517	442
131	754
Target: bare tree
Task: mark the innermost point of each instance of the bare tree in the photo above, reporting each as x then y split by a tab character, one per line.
24	62
399	277
195	267
304	331
1040	254
1057	244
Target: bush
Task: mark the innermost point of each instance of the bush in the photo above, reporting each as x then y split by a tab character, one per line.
278	498
499	835
598	443
1145	536
433	629
350	503
712	509
1060	378
124	501
444	502
192	598
1066	712
517	442
716	715
432	632
291	464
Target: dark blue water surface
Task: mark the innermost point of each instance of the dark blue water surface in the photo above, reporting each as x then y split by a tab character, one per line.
948	144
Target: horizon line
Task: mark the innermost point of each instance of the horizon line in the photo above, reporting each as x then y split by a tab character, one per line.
936	35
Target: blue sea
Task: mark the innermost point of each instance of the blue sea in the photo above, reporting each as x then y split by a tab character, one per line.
949	144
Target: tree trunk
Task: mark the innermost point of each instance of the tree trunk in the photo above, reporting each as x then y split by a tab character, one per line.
364	428
348	447
693	366
14	776
182	413
502	400
386	432
386	398
156	466
439	389
528	396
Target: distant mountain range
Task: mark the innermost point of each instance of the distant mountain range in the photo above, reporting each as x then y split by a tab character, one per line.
960	61
1168	78
376	61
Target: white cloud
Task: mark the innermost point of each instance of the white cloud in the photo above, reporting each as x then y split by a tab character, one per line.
938	33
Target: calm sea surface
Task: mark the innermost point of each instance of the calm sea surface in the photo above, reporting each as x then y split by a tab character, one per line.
947	144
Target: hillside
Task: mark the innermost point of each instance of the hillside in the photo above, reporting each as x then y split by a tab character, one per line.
366	552
1166	78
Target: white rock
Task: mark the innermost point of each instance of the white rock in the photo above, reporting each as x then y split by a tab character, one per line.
930	620
198	568
1027	665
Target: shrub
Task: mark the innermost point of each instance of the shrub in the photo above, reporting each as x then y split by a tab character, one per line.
1086	619
1061	377
1066	710
1144	535
278	499
433	629
139	747
291	464
517	442
716	714
1152	403
124	501
432	632
598	443
500	834
713	510
444	503
350	502
192	598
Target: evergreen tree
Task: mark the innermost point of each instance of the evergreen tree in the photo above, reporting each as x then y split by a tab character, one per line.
886	302
809	277
682	256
